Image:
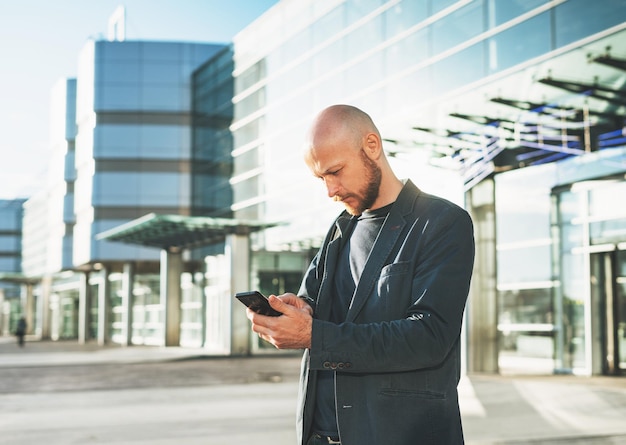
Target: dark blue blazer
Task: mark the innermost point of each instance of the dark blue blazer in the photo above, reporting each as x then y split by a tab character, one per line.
397	356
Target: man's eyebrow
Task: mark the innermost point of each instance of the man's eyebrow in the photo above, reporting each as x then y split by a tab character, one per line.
332	169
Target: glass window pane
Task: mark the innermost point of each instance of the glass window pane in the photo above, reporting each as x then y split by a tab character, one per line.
404	15
407	52
576	19
522	42
574	283
161	73
247	189
121	97
438	5
9	243
611	231
164	97
602	199
523	264
10	264
527	306
365	37
357	9
620	299
328	26
501	11
525	324
447	75
118	72
144	189
458	27
116	141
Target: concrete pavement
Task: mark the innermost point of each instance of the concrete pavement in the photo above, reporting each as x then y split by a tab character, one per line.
65	393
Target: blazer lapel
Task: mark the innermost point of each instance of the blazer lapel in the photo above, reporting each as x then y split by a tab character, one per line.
387	239
343	227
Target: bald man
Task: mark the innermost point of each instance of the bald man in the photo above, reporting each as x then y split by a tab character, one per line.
380	308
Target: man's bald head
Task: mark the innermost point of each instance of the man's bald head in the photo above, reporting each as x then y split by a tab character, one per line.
341	122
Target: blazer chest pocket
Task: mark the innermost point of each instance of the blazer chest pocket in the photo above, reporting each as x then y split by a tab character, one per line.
394	286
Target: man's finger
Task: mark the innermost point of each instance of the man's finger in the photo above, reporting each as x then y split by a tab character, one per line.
278	304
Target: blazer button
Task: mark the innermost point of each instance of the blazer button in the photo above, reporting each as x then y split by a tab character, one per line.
341	365
326	365
333	365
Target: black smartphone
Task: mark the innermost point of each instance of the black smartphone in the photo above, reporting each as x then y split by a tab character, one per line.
258	302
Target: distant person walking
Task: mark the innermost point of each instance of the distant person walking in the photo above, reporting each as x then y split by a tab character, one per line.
20	331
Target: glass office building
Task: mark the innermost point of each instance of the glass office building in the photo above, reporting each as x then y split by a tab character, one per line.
11	306
121	145
517	106
512	108
133	141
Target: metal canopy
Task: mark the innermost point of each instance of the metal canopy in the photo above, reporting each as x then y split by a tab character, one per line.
177	231
17	278
567	105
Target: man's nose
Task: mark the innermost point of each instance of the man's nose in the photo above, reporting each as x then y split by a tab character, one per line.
331	187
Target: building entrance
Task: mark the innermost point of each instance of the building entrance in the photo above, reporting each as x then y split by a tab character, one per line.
608	294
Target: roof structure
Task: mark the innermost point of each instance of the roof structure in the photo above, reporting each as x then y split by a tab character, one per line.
17	278
177	231
569	104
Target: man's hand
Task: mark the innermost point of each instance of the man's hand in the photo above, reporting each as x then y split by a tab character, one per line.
292	330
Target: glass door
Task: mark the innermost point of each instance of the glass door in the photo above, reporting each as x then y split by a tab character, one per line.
620	312
608	294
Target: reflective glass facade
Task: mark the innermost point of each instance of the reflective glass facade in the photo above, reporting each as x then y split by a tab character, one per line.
11	213
133	142
212	142
476	88
590	234
11	235
465	93
526	312
123	146
402	61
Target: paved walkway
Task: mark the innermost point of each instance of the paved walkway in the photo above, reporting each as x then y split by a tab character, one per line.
202	400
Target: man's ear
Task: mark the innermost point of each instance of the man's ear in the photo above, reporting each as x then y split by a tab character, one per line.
373	146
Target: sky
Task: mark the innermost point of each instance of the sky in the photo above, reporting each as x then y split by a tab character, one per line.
40	41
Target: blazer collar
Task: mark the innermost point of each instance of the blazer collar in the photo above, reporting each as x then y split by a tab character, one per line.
384	244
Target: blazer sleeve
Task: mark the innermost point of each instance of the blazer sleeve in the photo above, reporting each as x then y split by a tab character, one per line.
428	324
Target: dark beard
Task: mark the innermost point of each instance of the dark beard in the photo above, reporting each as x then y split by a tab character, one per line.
374	177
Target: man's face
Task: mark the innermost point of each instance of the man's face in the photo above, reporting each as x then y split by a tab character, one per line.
350	177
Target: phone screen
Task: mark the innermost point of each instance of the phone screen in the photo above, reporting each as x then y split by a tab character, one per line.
258	302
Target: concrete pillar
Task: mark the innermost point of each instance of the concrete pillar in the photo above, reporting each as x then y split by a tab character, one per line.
128	280
104	308
3	321
171	270
83	308
482	306
44	307
238	254
28	307
201	282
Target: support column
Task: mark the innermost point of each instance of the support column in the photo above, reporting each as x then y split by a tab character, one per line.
29	307
128	280
3	319
44	307
171	270
83	308
238	254
482	307
104	308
